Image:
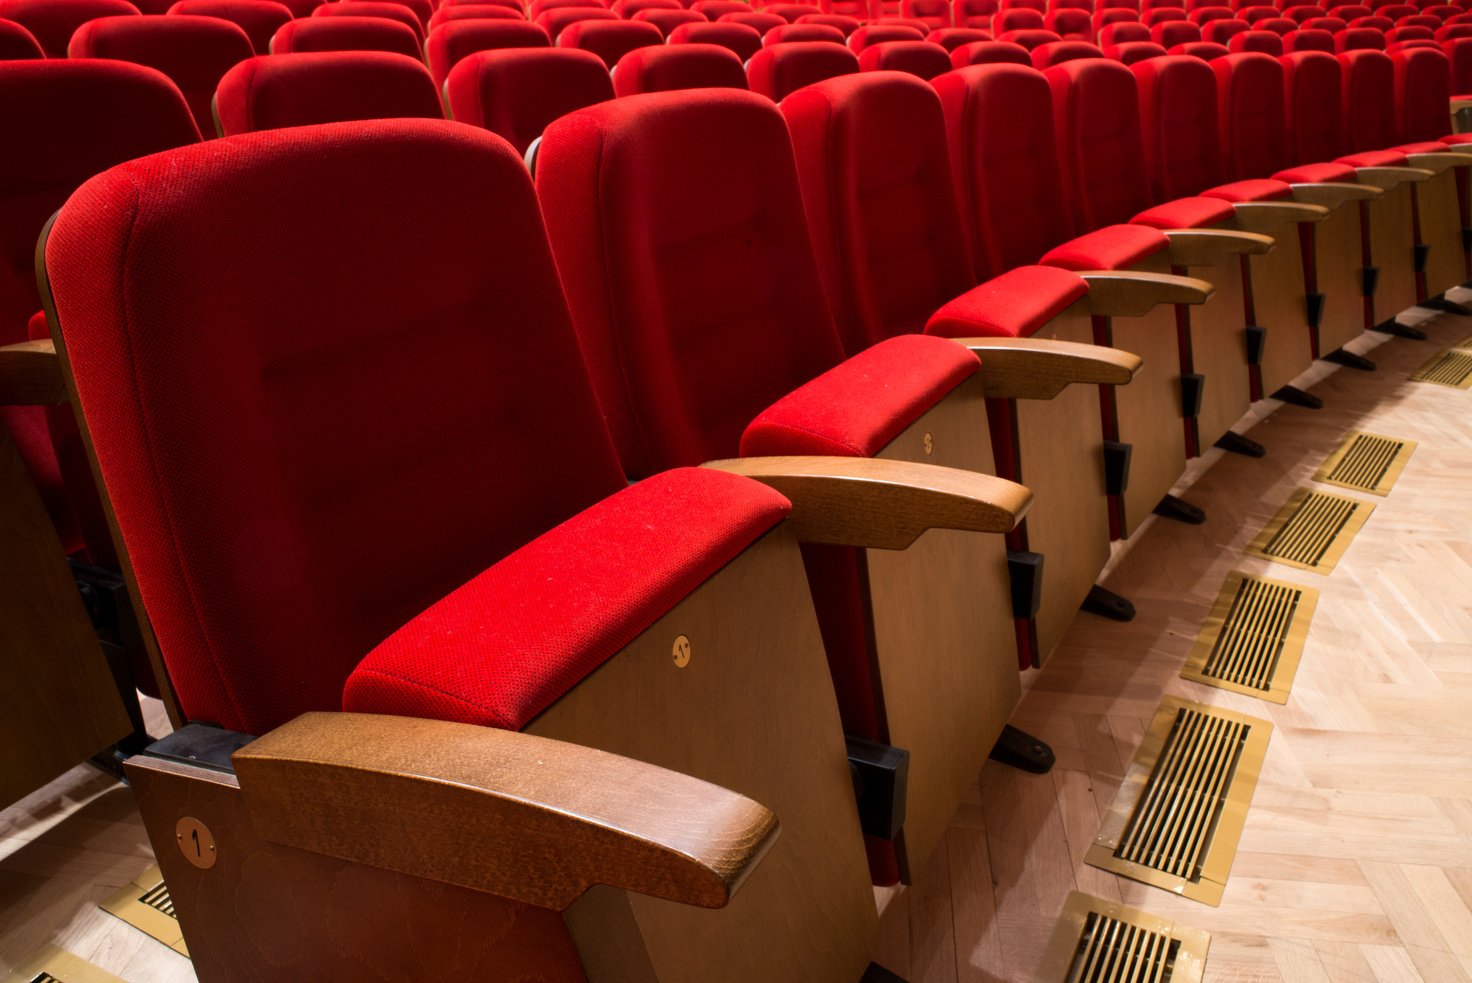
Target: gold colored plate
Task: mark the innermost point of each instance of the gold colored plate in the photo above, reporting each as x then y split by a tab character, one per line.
1449	368
1099	941
1367	462
1253	639
53	965
1312	531
1178	817
145	904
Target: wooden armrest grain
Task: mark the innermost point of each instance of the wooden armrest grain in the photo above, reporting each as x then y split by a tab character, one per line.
1439	161
1126	293
1207	247
1271	216
523	817
30	375
1391	177
1332	194
1041	368
883	504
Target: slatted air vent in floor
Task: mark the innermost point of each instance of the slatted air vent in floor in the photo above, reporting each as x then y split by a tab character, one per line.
1178	817
1449	368
1367	462
53	965
1099	941
1312	531
1253	639
145	904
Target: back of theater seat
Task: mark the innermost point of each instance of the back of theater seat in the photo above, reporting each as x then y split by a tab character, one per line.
1308	40
761	21
1172	33
668	20
516	92
879	33
777	72
1029	39
259	19
680	66
52	22
1367	94
847	25
920	58
742	40
274	91
1123	33
472	11
558	19
1265	42
1060	51
802	32
385	9
1422	94
990	53
345	34
952	38
1315	123
609	40
17	43
194	52
1135	51
450	42
1205	50
1359	39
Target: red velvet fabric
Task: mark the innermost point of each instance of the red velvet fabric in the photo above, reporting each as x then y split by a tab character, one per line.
1071	25
919	58
879	33
990	53
273	91
680	66
715	8
262	391
1134	52
778	72
1204	15
1314	173
1375	158
699	306
1114	247
1017	19
802	32
449	43
516	92
1359	39
1205	50
858	407
1251	116
1186	213
345	34
935	13
374	8
17	43
1013	305
1182	144
609	40
473	11
555	21
668	20
1222	31
259	19
423	9
194	52
52	22
1124	33
790	12
1422	92
1265	42
847	25
760	22
742	40
1315	125
1047	55
1367	99
952	38
1175	32
1028	39
505	646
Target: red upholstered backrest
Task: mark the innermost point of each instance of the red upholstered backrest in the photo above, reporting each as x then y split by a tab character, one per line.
539	7
715	8
1398	35
1182	143
1304	12
847	25
1135	51
761	22
259	19
1222	31
936	13
1454	32
272	433
777	72
1308	40
1124	33
17	43
1175	32
609	40
1459	54
857	9
516	92
1205	50
952	38
802	32
1096	115
974	13
448	43
742	40
990	53
273	91
52	22
628	8
1333	25
678	229
1017	19
385	9
879	33
680	66
668	20
345	34
1071	25
1265	42
1422	92
1061	51
1162	15
1250	114
1374	22
1311	81
791	11
922	59
876	182
1203	15
556	20
423	9
1359	39
1367	100
999	119
1109	17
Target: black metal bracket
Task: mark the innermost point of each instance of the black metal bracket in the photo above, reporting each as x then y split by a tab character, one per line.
1256	338
1025	571
1422	253
1235	443
1107	604
1193	385
1440	303
1177	508
1466	239
201	745
1019	749
881	776
1394	327
1315	307
1350	360
878	974
1294	396
1370	280
1117	466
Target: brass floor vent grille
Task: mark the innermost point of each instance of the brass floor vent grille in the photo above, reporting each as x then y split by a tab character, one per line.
1100	941
1367	462
53	965
1449	368
145	904
1178	817
1312	531
1253	639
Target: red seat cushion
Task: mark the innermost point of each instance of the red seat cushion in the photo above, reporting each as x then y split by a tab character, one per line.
1375	158
1457	139
1013	305
1186	213
1428	147
505	646
1113	247
1316	173
859	406
1256	189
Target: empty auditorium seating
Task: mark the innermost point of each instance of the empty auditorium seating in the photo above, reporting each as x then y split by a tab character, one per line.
952	38
1071	25
715	8
52	22
743	40
259	19
1029	39
450	42
668	20
1134	51
554	21
935	13
274	91
879	33
423	9
1205	50
1422	95
1265	42
1359	39
679	66
1061	51
1017	19
802	32
762	22
779	71
17	43
1175	32
990	52
385	9
516	92
974	13
790	12
473	12
1123	34
555	539
845	24
194	52
1308	40
609	40
628	8
345	34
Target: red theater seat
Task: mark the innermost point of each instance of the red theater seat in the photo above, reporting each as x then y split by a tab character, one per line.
1029	39
52	22
345	34
1017	19
790	12
715	8
990	52
1123	34
450	42
935	13
847	25
802	32
374	8
974	13
778	72
920	58
1205	50
274	91
555	21
1222	31
1172	33
608	39
1265	42
516	92
259	19
1071	25
952	38
473	11
668	20
1061	51
680	66
761	22
879	33
628	8
1203	15
1359	39
1308	40
1133	51
744	41
17	43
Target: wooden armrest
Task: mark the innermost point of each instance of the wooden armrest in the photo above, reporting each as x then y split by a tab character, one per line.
883	504
1271	216
1464	149
1124	293
1332	194
523	817
1040	368
1207	247
30	375
1437	162
1391	177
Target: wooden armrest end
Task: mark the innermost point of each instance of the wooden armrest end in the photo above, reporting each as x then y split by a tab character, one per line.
1127	293
30	375
1041	368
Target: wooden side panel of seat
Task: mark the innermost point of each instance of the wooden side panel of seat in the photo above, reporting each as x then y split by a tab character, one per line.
1279	302
1441	231
1339	262
1392	250
1218	332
